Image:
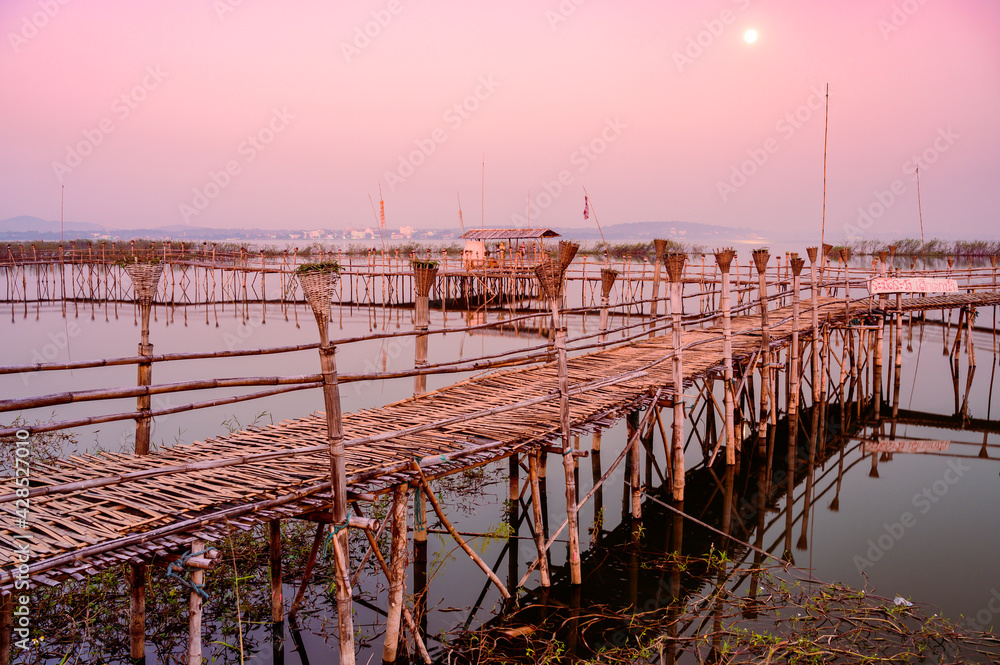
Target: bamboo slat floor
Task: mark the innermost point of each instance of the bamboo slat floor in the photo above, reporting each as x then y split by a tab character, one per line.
79	532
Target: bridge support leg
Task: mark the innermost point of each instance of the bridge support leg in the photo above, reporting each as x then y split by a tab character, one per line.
277	608
194	611
397	573
420	559
137	611
536	505
6	624
675	268
724	259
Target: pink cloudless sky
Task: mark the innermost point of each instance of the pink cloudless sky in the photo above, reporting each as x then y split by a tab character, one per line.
228	113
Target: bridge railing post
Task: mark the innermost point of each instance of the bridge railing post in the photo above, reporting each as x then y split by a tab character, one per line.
760	259
724	258
317	281
550	277
675	270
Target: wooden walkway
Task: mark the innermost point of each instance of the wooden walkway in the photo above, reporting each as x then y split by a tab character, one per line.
127	508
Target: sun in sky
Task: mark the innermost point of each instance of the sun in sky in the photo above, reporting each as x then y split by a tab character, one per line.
750	36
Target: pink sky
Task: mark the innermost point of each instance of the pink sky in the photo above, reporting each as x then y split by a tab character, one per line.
134	106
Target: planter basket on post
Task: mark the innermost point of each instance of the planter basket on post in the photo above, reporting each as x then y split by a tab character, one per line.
145	277
424	274
318	289
567	250
550	276
608	277
318	281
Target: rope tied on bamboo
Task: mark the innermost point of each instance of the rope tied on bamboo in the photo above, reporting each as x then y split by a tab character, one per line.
175	568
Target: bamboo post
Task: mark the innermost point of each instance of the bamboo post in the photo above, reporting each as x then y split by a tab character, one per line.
397	573
6	626
760	259
551	278
675	270
536	504
845	256
724	258
659	250
424	274
513	494
635	484
194	610
317	285
145	277
814	298
608	277
277	609
793	387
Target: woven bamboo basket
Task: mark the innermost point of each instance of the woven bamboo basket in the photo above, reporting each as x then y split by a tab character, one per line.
760	259
813	252
145	277
993	260
724	257
845	254
660	248
550	276
608	277
567	250
951	262
797	263
892	251
424	279
318	289
675	266
883	255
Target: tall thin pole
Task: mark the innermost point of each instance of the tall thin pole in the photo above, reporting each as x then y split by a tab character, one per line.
920	213
822	230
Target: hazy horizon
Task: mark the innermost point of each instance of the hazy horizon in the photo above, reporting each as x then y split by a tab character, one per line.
228	114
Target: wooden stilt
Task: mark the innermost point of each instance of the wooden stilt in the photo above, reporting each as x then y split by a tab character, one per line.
536	504
794	377
137	611
194	610
760	258
814	297
277	608
397	573
6	626
724	258
634	482
675	268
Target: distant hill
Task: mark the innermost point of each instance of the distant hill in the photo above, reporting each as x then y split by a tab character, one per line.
27	223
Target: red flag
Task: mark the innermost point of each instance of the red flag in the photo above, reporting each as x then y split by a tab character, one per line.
586	207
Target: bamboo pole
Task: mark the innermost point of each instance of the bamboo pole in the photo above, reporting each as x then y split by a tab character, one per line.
6	626
318	291
760	259
397	573
194	610
793	382
724	258
814	298
675	268
454	534
659	249
277	609
536	504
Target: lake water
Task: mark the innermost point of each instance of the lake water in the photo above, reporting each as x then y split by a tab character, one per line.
921	526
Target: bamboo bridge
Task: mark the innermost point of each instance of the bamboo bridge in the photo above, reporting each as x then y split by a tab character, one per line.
91	512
